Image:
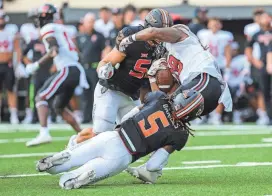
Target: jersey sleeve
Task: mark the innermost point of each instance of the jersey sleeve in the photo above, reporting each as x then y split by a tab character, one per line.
153	96
47	31
250	42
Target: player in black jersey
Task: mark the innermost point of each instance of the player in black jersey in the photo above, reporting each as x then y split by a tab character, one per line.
121	76
144	130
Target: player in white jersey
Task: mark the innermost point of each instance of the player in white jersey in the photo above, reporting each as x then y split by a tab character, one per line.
218	42
10	56
62	84
194	66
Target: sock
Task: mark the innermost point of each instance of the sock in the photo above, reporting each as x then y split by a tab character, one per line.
13	112
44	130
261	113
158	160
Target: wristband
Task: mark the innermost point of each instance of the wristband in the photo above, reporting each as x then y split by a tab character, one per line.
152	80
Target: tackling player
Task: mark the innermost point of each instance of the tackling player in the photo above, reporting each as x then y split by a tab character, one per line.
145	129
62	84
195	68
121	75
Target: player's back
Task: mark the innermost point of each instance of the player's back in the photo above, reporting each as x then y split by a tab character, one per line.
153	127
190	58
131	74
67	54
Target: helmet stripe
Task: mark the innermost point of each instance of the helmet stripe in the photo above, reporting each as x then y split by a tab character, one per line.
164	18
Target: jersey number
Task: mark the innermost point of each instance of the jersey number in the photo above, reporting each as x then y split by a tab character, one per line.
70	43
154	127
139	71
175	65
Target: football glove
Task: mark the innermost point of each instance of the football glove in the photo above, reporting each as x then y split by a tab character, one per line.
106	71
20	71
126	42
157	65
32	68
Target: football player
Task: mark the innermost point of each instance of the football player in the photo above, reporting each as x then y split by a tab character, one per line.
145	129
192	64
9	45
122	74
62	84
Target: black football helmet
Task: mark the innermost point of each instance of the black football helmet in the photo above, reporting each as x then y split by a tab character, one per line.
46	14
187	105
158	18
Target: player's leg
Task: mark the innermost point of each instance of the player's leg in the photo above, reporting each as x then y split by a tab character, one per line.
105	109
48	91
9	80
112	159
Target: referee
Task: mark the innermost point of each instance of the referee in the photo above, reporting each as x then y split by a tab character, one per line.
263	38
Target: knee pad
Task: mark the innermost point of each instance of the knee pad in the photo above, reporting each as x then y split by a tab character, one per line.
100	125
39	101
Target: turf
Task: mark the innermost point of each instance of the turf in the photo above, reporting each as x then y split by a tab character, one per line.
179	179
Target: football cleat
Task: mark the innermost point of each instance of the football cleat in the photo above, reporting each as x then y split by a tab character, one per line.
143	174
73	180
40	139
48	162
264	120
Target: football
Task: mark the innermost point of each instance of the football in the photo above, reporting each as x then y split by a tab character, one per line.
164	80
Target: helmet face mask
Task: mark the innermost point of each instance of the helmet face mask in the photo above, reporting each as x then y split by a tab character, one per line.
46	14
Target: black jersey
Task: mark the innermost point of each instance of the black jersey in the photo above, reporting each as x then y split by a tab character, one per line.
153	127
264	39
131	74
37	49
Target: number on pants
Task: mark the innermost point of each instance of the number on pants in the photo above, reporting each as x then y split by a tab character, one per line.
70	43
139	71
175	65
154	127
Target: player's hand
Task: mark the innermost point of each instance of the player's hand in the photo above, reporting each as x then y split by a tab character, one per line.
20	71
106	71
157	65
258	64
269	69
32	68
126	42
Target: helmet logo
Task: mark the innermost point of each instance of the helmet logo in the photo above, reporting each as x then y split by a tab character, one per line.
185	94
152	19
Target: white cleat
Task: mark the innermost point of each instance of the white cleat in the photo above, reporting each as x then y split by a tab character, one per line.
51	161
143	174
27	120
71	180
264	120
40	139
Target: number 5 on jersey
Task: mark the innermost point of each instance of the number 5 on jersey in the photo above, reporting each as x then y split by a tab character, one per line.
153	125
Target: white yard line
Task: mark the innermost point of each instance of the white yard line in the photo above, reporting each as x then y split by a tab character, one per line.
242	164
213	147
200	162
267	140
8	128
20	140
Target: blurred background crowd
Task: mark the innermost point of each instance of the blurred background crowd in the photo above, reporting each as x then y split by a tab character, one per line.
239	38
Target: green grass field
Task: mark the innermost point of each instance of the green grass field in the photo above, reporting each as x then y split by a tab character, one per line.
217	161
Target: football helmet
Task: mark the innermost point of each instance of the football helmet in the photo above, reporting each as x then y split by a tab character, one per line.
187	105
46	14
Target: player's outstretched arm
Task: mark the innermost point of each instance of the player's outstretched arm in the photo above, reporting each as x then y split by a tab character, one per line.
171	35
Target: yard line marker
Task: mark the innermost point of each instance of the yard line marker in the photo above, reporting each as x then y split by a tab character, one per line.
200	162
267	140
8	128
231	146
26	155
20	140
167	168
214	147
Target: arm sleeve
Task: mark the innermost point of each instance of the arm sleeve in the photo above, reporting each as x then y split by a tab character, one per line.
28	47
153	96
